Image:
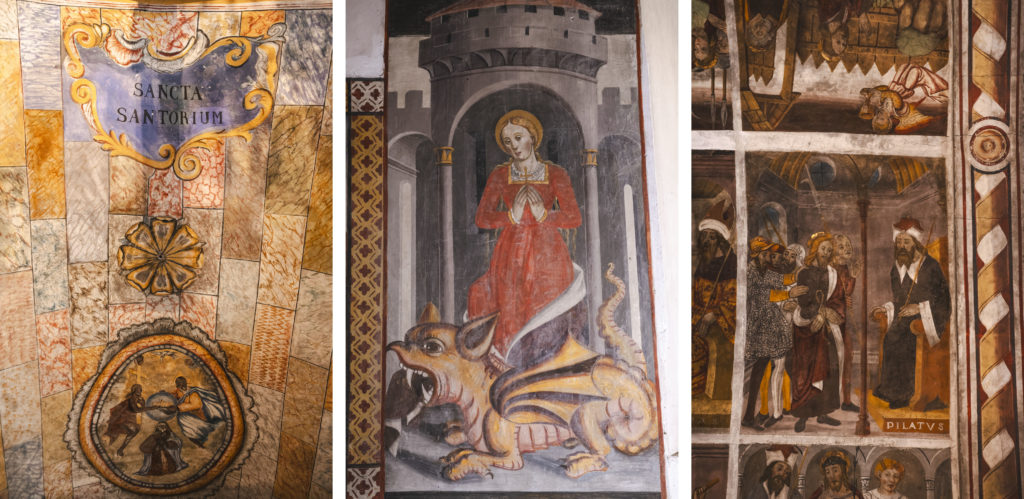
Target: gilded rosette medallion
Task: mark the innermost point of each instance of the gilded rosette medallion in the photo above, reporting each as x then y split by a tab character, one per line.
162	257
162	415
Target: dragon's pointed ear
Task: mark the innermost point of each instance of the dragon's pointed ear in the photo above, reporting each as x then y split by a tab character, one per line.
429	314
474	338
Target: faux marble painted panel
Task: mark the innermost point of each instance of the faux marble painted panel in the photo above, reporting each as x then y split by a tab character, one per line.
256	23
86	174
84	362
129	182
45	158
39	27
56	457
57	478
232	481
270	346
328	403
208	225
322	468
50	265
200	310
25	469
15	241
17	327
164	194
53	331
311	338
207	190
122	316
269	406
258	475
163	306
238	359
294	468
3	470
306	61
237	300
120	290
19	408
303	400
327	125
12	119
90	491
219	24
318	250
72	15
82	479
8	31
245	183
88	282
318	492
293	146
281	260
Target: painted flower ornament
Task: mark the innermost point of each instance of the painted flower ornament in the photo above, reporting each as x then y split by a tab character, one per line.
161	258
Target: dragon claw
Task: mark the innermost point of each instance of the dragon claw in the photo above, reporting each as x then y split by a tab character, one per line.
463	462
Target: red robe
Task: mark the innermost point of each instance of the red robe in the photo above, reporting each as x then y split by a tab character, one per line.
530	265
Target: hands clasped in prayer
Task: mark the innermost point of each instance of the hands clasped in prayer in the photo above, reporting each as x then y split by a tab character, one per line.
528	197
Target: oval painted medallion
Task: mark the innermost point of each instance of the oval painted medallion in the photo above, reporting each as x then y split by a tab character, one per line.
162	415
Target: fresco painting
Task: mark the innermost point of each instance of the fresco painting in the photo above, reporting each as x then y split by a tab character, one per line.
714	287
163	237
874	251
711	71
840	471
519	330
819	226
853	66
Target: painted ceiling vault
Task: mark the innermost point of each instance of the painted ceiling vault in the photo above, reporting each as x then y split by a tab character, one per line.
165	248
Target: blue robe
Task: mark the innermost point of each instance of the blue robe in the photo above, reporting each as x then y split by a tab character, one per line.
195	428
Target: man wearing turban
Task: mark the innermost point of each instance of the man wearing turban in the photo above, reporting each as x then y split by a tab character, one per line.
920	293
769	333
714	300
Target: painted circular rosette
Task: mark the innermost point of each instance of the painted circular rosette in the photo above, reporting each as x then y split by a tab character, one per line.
989	145
163	415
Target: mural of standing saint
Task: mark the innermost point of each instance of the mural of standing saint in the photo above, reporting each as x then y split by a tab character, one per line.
528	199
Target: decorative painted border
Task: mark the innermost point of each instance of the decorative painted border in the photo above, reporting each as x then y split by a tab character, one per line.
365	314
989	168
186	163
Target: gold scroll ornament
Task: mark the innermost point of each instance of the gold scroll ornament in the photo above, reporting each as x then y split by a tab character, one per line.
187	165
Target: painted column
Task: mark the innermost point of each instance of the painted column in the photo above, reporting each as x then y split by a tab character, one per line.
594	248
407	234
863	427
632	272
444	161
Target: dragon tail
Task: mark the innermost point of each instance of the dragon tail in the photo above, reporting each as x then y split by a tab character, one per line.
614	336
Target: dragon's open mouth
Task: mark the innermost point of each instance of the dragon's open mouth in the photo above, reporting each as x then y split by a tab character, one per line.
422	383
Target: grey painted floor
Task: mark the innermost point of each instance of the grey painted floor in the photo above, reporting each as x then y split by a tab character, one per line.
417	468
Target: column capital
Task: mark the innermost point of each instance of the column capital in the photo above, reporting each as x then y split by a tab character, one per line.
590	157
443	155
